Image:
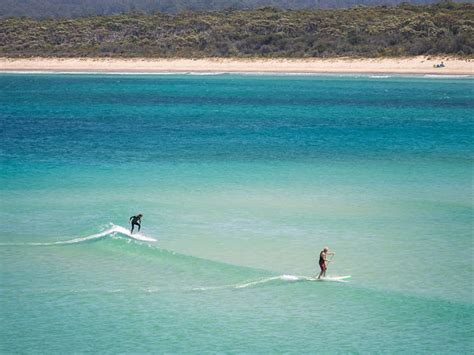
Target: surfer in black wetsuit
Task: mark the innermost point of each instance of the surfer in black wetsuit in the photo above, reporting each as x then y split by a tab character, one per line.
135	221
323	261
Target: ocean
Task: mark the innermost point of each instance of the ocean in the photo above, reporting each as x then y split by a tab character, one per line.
241	180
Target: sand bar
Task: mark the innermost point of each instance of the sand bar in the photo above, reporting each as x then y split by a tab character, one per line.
412	65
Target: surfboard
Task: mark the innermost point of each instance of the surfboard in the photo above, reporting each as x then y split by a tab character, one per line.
331	278
142	237
136	235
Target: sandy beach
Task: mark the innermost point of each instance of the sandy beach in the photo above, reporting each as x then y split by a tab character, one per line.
412	65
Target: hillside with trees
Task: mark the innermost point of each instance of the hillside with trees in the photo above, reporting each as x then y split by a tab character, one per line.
78	8
404	30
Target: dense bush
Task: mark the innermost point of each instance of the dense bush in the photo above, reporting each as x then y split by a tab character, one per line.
79	8
362	31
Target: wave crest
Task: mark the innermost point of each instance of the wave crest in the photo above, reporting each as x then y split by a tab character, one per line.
280	278
113	230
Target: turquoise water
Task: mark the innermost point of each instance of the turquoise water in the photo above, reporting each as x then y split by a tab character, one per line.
242	180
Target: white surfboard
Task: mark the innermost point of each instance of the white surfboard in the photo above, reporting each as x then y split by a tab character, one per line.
331	278
136	236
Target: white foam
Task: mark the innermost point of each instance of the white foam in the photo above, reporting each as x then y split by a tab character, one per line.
210	73
253	283
113	230
242	73
326	278
284	278
447	76
292	278
136	236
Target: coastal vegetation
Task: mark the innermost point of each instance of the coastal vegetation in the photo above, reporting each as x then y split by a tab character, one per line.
405	30
80	8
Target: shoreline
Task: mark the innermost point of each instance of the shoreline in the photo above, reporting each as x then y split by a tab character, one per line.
413	65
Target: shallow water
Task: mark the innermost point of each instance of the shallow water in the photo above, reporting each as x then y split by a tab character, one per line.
242	180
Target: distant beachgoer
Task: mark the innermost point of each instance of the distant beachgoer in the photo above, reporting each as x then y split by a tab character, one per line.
135	221
323	261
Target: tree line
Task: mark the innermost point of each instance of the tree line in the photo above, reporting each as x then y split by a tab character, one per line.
404	30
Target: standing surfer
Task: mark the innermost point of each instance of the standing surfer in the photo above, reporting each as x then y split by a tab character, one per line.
323	261
135	221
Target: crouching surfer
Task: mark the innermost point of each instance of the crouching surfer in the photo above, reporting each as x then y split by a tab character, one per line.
136	221
323	261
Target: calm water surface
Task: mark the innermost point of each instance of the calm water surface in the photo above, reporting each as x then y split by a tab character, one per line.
242	180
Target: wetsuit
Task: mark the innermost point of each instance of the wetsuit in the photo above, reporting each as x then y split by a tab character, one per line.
322	262
135	222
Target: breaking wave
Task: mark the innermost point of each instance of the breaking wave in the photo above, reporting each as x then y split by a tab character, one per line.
112	231
274	279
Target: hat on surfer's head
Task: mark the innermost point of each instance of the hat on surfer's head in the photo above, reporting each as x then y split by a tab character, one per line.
326	249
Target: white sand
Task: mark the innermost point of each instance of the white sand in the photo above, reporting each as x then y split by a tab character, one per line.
411	65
